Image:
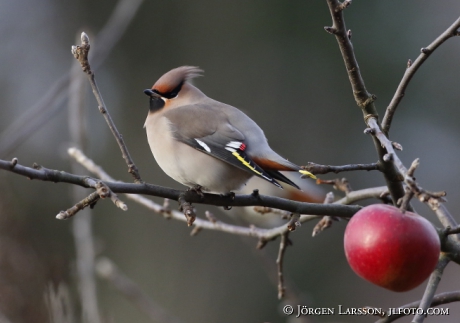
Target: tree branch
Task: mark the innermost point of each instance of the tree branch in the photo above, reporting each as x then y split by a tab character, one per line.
363	98
431	287
439	299
411	69
432	199
284	243
264	235
191	196
326	221
324	169
81	54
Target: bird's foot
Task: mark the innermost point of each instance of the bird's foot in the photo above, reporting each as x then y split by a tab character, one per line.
197	189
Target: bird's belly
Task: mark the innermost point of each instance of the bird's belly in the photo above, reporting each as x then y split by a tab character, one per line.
191	167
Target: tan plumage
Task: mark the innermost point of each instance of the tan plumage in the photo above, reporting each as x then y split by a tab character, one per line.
201	142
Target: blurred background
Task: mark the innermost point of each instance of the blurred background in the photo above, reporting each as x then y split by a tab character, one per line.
273	60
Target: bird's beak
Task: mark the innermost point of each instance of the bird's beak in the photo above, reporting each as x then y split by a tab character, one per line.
150	93
156	101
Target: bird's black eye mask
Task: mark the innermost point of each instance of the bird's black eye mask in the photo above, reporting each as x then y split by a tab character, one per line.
172	94
156	101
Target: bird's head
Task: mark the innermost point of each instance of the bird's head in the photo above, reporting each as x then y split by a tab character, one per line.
172	89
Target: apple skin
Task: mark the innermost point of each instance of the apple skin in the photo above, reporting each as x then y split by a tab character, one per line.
391	249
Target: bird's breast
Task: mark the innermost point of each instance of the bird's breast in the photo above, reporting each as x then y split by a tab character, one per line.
189	166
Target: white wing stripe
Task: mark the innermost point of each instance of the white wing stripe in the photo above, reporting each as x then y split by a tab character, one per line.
234	144
202	144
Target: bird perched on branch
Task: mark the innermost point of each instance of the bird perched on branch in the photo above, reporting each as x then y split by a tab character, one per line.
205	144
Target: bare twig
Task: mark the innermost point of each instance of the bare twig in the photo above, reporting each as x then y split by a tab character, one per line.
340	184
187	208
411	69
450	230
431	287
104	192
363	98
264	210
439	299
211	217
444	216
284	243
343	5
324	169
107	270
87	201
190	196
294	222
80	52
263	234
432	199
326	221
405	200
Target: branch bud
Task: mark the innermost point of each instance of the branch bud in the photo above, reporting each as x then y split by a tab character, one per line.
387	157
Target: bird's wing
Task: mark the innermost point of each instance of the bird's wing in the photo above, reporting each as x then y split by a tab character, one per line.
208	130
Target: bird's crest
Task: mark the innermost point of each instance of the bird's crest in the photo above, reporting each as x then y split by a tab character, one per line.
174	79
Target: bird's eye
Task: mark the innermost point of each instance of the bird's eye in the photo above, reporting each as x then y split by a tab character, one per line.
172	94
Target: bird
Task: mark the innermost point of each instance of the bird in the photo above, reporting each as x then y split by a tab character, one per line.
205	144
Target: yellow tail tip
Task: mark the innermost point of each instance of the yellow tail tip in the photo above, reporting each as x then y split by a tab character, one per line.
304	172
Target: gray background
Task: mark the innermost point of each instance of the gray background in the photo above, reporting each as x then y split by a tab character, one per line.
273	60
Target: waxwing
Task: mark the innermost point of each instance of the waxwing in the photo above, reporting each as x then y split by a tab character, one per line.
205	144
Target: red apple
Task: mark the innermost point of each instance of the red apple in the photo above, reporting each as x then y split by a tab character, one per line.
391	249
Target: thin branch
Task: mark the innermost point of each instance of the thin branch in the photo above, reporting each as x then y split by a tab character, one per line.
326	221
405	200
439	299
412	69
432	199
431	287
284	243
187	208
363	98
262	234
87	201
81	54
340	184
264	210
294	222
190	196
324	169
450	230
107	270
444	216
104	191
